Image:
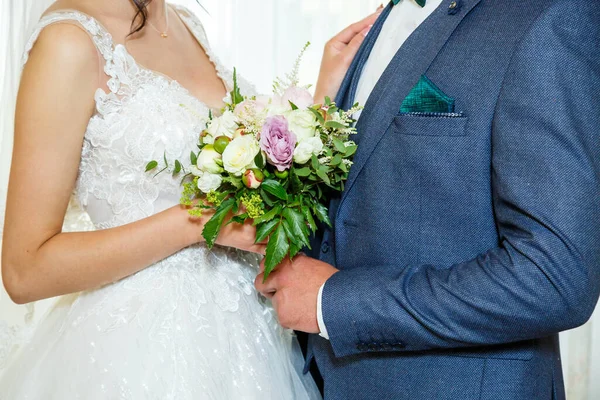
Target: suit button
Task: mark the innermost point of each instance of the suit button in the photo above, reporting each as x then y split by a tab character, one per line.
325	248
386	346
373	347
361	347
453	5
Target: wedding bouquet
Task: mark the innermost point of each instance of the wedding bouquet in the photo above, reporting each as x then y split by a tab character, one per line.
271	159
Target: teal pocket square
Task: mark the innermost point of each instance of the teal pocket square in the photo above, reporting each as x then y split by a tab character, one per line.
426	97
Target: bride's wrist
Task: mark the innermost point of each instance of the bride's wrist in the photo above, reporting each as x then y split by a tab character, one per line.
189	226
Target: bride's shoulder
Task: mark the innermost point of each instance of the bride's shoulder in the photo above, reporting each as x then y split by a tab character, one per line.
65	44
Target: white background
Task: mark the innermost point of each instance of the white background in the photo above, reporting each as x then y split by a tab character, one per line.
262	38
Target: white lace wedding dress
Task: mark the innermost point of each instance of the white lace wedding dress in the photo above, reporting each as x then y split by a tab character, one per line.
189	327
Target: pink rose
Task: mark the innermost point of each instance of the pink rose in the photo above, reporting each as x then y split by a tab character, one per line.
299	96
278	142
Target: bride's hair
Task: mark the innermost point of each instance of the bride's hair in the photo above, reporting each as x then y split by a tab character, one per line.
141	17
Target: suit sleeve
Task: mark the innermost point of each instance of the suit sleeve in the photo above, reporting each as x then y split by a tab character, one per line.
544	276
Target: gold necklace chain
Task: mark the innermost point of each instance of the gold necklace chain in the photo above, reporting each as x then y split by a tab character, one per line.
163	34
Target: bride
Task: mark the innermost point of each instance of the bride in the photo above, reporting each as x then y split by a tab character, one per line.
153	314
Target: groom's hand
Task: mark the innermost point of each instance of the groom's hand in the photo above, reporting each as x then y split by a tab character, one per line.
293	288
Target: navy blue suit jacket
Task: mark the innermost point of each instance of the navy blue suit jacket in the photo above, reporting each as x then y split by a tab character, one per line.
467	241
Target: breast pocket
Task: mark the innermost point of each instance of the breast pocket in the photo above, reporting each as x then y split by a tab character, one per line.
431	124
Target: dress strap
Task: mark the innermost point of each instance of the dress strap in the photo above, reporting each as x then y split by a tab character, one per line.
100	36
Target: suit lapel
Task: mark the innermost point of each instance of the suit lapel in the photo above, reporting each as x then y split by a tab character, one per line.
410	62
347	92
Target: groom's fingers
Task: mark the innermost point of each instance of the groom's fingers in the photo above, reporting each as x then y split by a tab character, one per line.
267	287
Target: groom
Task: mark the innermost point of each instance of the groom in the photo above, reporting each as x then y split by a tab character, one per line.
469	232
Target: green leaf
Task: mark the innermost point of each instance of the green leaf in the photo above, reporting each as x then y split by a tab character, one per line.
337	160
268	216
317	114
259	160
350	150
315	162
339	145
266	198
177	167
236	96
238	219
297	225
309	218
273	187
294	250
193	158
303	172
294	107
323	176
151	165
213	226
277	248
335	125
322	213
264	230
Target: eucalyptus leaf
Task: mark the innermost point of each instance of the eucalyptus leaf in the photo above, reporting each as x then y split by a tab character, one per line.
335	125
193	158
323	176
303	172
177	168
339	145
350	150
151	165
336	160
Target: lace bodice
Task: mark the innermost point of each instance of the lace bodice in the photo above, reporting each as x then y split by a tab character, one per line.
144	116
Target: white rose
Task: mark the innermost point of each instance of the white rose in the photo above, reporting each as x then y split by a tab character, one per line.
239	154
194	170
303	123
225	125
277	107
209	182
208	160
305	149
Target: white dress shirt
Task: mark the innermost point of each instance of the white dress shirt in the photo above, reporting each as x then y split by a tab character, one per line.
405	17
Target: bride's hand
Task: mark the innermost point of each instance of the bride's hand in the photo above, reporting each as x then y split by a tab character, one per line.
241	236
338	55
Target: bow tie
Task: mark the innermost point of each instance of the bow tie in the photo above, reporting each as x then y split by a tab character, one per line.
419	2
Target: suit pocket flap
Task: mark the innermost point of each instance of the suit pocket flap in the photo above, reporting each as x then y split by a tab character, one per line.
431	124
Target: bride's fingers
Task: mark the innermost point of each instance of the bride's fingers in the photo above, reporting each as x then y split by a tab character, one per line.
352	48
357	28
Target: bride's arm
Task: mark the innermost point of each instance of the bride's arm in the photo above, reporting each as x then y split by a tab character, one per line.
338	55
55	103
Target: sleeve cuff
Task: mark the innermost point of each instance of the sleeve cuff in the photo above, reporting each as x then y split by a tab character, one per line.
320	320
